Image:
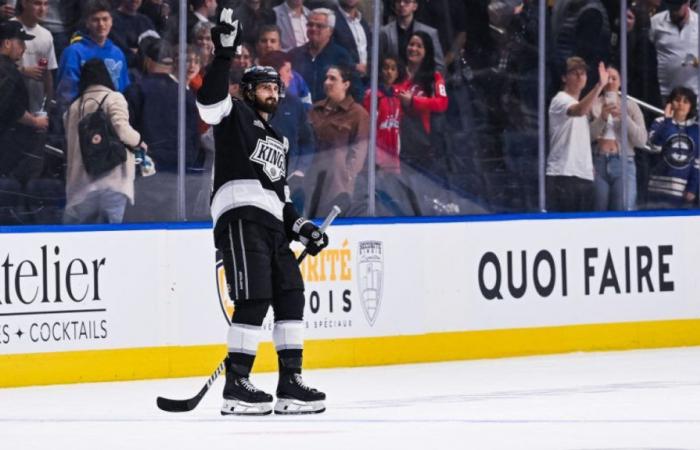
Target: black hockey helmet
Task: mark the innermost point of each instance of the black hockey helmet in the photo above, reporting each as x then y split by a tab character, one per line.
255	75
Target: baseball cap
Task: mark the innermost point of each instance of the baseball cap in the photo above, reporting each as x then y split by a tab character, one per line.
160	51
11	29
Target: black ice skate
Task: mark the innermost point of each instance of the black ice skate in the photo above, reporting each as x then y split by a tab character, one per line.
294	397
243	399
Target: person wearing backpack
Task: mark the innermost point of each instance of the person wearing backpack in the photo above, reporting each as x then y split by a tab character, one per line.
97	190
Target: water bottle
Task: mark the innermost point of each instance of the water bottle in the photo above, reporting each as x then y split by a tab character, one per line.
144	162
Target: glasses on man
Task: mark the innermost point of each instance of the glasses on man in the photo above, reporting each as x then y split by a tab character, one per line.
404	2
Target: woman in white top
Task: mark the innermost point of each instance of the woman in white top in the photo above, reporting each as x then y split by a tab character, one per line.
606	134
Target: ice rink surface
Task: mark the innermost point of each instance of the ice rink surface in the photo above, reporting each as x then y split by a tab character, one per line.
633	400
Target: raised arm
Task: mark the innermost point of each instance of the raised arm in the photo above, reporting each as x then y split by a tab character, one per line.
213	100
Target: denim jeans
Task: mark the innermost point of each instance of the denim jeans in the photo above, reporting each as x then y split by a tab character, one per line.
104	206
609	185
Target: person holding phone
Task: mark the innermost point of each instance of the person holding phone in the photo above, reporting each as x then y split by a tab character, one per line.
608	156
673	181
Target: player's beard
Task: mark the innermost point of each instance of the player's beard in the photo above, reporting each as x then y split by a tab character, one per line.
268	105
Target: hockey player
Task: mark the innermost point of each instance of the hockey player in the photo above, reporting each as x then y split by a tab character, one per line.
254	222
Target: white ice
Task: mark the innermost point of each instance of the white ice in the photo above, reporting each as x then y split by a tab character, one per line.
646	399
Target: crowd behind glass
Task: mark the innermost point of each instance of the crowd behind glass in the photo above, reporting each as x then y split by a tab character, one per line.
456	120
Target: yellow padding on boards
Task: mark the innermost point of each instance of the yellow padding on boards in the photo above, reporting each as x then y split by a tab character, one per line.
183	361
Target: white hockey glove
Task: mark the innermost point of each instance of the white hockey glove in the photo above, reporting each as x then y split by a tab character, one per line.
226	34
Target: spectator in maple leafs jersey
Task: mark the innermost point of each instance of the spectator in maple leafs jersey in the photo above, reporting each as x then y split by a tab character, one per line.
254	221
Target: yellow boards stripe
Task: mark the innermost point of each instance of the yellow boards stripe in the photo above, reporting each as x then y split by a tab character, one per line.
160	362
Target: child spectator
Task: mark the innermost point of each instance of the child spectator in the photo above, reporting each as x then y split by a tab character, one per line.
390	190
673	181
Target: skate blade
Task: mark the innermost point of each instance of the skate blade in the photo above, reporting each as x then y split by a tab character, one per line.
292	406
239	408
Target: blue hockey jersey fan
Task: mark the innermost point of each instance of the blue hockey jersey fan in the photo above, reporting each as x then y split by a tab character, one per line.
675	173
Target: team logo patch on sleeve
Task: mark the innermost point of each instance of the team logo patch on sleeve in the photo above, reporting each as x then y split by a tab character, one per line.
270	154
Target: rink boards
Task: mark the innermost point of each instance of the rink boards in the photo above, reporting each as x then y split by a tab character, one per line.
147	303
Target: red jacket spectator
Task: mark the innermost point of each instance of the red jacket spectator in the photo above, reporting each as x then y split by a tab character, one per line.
422	105
389	115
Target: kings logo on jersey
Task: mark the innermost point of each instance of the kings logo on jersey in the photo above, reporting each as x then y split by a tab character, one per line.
222	288
370	268
271	155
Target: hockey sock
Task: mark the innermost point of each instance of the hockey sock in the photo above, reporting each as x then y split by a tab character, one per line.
244	335
288	336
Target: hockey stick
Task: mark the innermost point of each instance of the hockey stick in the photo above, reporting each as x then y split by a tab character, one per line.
172	405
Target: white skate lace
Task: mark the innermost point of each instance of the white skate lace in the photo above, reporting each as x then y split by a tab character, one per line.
247	385
301	384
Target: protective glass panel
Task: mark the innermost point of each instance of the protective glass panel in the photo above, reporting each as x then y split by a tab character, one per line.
466	97
663	84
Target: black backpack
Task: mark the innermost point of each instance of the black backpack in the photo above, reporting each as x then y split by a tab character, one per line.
100	146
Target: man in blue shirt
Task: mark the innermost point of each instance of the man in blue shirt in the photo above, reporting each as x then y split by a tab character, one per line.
313	59
93	44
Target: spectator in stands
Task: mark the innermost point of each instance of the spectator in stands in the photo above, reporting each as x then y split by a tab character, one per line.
153	112
193	70
673	181
36	63
448	17
422	95
93	44
352	32
291	18
159	13
62	20
389	113
643	82
129	27
341	127
199	12
582	29
253	15
291	121
569	163
39	58
390	190
269	41
244	57
7	11
104	199
394	36
15	113
313	59
608	157
201	37
674	35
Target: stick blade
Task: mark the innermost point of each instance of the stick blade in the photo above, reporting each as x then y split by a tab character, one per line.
170	405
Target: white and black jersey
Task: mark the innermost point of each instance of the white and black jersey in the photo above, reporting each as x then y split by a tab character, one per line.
250	162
